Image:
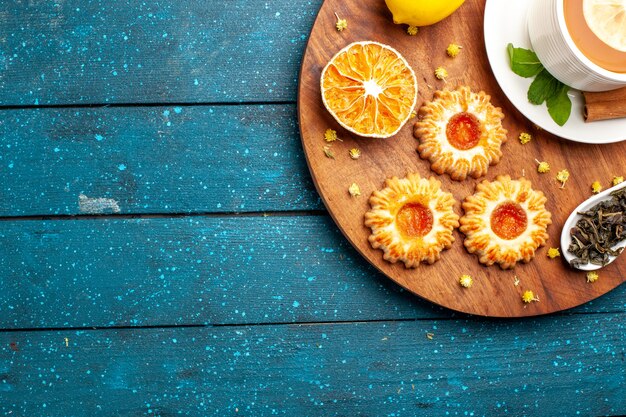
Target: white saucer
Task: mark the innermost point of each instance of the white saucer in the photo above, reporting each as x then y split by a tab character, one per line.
505	22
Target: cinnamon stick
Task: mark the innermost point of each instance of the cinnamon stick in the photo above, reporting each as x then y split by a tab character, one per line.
605	105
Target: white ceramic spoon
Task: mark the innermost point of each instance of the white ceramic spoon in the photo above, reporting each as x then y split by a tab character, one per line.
573	219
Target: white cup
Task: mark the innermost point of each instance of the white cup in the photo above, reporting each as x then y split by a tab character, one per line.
558	53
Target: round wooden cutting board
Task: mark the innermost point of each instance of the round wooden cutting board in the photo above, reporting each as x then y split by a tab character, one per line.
494	292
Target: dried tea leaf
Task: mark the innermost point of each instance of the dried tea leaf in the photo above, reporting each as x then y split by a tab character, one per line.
598	231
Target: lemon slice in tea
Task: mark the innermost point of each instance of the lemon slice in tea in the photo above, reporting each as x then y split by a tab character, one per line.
607	20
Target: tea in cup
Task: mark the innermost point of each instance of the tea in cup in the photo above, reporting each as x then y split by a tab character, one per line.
582	43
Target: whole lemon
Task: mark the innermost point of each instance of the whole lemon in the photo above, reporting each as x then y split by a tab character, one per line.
421	12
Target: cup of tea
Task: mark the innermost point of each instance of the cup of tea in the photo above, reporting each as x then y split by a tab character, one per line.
582	43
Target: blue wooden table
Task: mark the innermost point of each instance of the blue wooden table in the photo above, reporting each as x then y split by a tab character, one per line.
163	250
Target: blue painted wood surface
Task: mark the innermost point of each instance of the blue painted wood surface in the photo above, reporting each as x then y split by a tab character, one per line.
161	300
148	272
198	270
97	51
546	367
169	159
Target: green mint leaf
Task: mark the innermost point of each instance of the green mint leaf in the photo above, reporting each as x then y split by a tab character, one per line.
524	62
543	87
511	51
559	105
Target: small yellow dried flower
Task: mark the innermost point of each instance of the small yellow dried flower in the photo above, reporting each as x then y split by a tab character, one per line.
453	50
592	276
529	297
330	135
355	153
466	281
562	177
354	190
542	167
617	180
412	30
413	115
525	137
328	152
341	23
441	73
596	187
553	253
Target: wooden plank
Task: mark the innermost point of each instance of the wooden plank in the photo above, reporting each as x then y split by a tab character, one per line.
160	271
151	52
169	159
541	367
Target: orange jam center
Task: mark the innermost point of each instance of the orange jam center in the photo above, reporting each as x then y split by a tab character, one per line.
463	131
508	220
415	220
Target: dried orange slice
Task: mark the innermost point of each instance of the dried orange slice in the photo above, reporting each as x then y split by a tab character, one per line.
370	89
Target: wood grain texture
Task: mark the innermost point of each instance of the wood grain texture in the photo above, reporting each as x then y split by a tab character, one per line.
94	51
493	293
183	271
192	271
241	275
539	367
163	159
